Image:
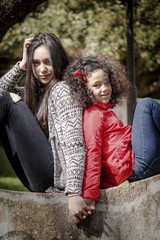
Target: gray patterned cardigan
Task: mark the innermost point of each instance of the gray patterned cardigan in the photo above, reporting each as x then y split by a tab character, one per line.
65	132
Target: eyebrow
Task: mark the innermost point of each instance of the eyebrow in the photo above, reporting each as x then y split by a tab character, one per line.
97	80
34	59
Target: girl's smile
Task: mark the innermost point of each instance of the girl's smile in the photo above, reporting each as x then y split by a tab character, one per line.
101	90
41	66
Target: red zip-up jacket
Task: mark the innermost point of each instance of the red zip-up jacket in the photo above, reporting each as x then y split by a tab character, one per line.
109	159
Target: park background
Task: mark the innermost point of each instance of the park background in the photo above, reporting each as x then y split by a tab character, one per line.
88	27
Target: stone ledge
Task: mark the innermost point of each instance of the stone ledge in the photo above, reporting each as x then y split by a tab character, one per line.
126	212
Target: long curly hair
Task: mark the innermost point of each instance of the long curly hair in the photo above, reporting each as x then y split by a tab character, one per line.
114	71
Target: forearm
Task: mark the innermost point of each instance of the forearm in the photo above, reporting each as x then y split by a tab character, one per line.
75	150
75	154
10	79
91	180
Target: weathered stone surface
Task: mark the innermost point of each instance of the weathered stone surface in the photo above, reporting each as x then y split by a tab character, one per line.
126	212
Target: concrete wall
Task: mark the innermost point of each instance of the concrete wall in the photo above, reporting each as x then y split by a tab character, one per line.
126	212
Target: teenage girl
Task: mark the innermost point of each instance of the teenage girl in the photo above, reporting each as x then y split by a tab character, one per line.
40	129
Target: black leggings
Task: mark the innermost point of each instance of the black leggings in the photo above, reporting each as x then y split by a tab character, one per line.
26	145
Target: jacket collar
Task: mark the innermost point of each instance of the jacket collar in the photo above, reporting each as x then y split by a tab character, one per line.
104	105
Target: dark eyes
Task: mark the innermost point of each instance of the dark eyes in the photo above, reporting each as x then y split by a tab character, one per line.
47	62
97	85
35	63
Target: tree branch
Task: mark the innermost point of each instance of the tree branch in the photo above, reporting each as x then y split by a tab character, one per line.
13	11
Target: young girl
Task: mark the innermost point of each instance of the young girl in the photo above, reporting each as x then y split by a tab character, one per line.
114	152
48	154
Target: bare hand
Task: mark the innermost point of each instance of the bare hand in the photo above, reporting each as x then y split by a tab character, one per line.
90	202
78	209
23	63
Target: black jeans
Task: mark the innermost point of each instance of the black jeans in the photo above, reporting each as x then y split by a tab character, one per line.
26	145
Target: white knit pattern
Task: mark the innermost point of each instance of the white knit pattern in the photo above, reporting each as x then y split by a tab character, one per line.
10	79
66	135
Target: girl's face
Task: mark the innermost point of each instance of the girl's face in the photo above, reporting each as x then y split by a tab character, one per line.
41	65
101	90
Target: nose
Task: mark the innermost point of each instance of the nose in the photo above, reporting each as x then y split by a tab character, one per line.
42	67
104	87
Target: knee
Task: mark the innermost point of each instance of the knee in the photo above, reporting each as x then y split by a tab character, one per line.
15	97
147	101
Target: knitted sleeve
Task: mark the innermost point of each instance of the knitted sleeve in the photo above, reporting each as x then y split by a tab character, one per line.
69	115
10	79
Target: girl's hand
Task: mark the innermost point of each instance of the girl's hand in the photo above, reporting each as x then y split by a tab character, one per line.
90	202
23	63
78	209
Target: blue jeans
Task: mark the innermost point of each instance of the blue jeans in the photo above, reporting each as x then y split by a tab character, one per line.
146	139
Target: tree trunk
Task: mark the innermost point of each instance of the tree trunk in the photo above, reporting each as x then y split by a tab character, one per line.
13	11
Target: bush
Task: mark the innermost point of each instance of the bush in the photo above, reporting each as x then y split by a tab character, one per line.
12	183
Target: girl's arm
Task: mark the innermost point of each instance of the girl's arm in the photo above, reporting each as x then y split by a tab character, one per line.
93	132
69	113
10	79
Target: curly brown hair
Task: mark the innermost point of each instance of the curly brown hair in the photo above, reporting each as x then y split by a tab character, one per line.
115	72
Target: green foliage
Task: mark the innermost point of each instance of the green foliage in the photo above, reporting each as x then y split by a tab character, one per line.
5	167
12	183
147	29
96	27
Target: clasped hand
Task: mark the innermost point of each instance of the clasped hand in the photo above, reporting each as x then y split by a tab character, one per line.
80	208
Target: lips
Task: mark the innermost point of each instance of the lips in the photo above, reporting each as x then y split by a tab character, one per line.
105	96
44	76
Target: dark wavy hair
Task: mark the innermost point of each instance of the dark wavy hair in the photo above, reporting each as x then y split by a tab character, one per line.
114	71
36	97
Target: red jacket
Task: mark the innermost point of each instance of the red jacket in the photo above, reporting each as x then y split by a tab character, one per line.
110	157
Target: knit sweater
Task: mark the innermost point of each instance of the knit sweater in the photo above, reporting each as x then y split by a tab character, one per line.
65	132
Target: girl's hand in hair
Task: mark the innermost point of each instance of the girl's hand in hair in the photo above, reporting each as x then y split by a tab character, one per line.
78	209
23	63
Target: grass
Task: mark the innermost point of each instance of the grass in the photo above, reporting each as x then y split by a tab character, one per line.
124	183
5	167
12	183
8	179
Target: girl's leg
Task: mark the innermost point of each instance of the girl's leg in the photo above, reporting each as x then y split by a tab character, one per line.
26	145
13	157
146	139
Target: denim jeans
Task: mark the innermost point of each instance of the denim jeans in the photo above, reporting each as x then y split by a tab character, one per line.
146	139
26	145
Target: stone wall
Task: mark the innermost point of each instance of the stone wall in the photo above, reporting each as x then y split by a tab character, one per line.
126	212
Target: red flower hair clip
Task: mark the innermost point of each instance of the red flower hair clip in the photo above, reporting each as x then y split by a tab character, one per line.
78	73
